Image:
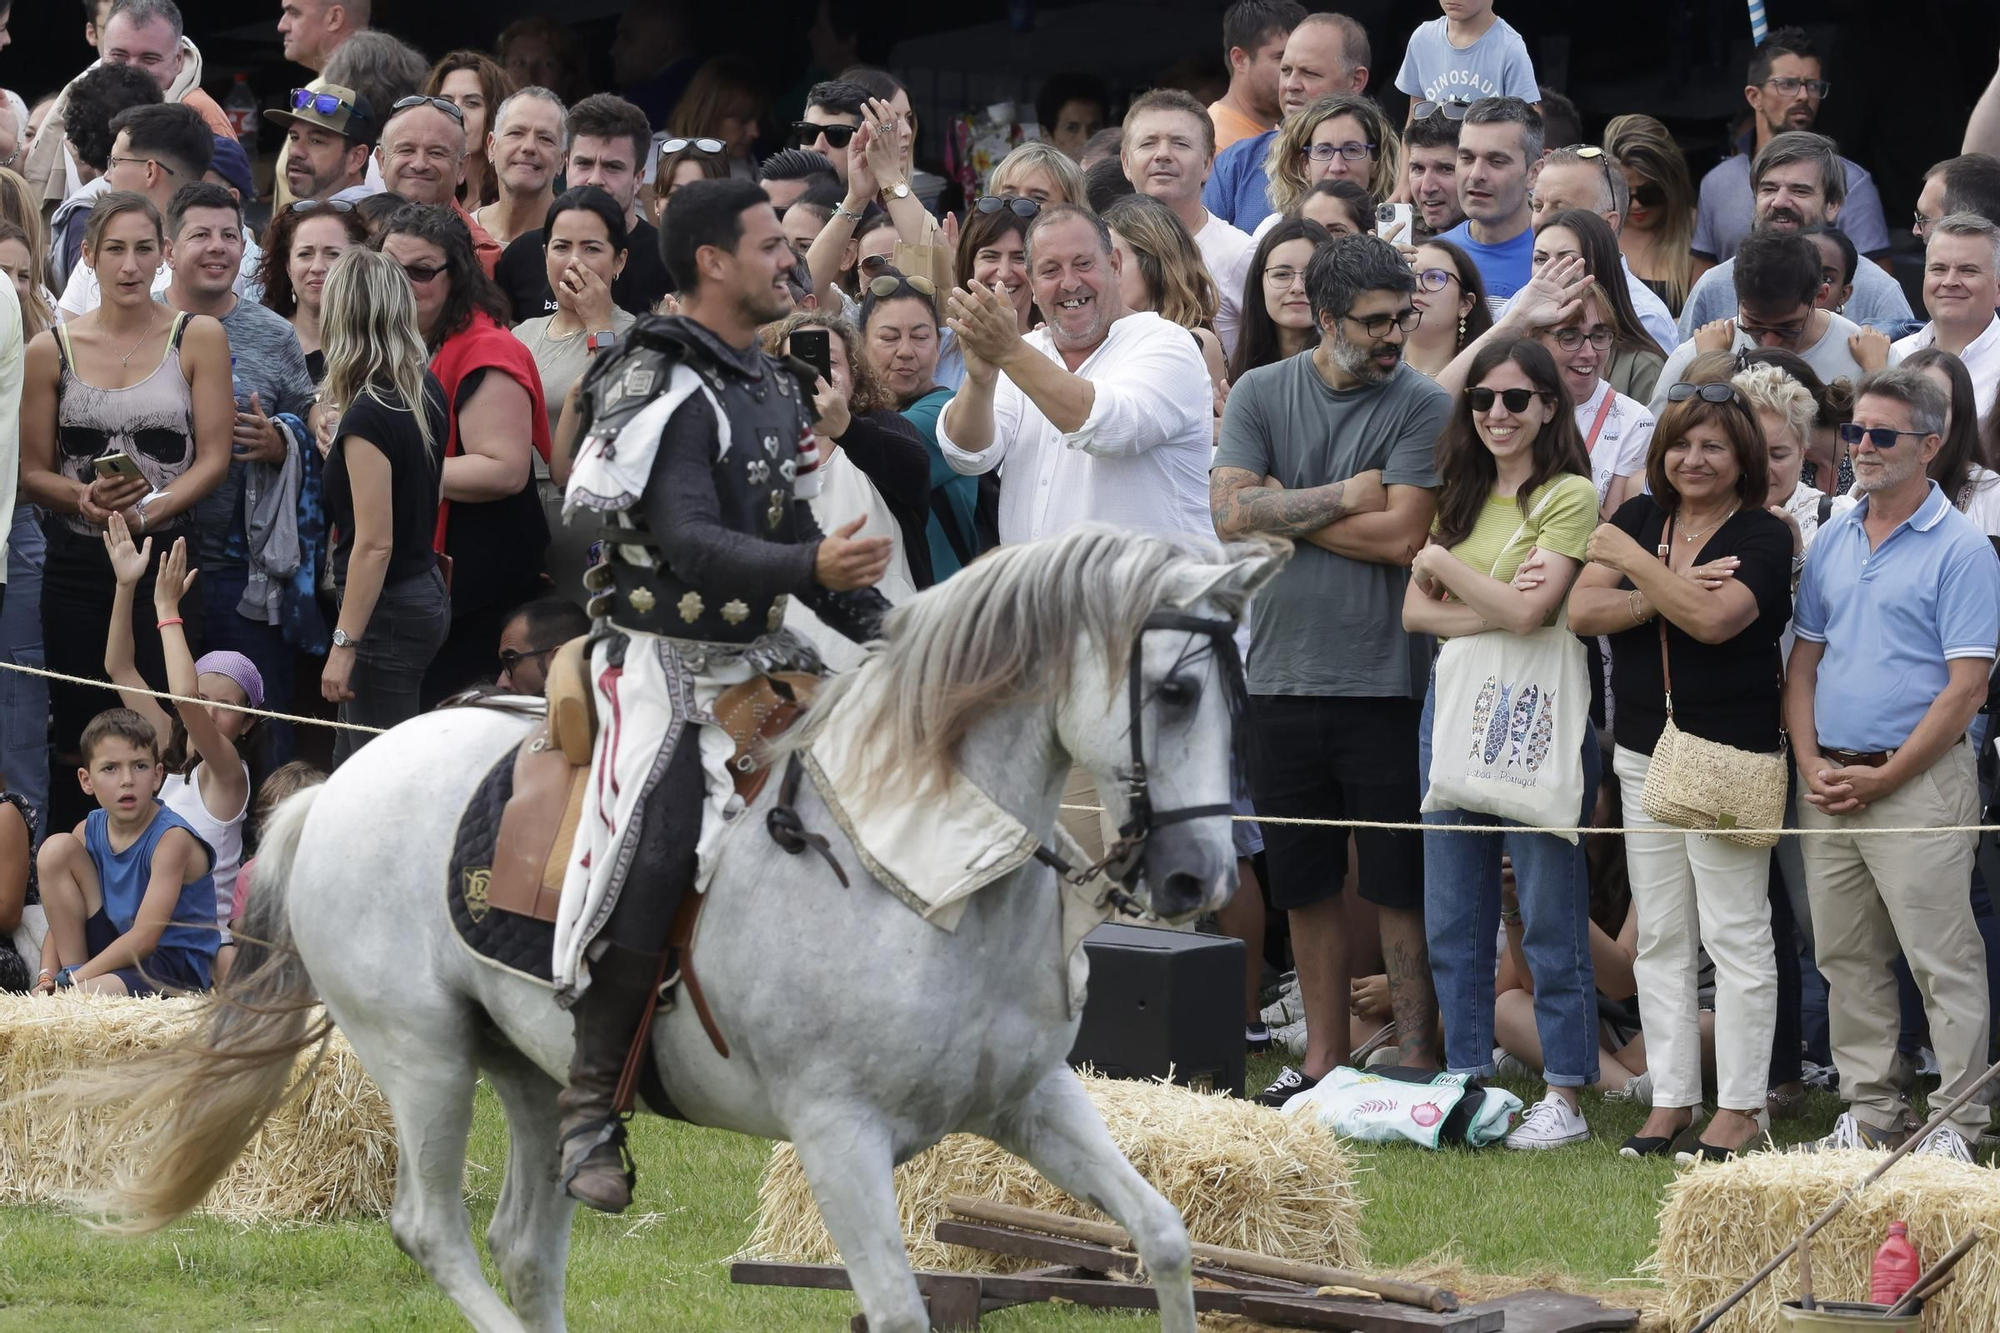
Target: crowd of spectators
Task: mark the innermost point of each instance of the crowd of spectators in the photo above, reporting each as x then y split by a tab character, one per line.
301	447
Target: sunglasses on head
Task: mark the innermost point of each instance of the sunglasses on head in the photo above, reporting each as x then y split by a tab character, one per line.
1020	205
837	136
1879	437
307	205
325	104
1517	400
436	103
1717	392
699	145
889	284
1452	109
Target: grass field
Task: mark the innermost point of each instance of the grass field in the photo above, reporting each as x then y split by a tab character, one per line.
1582	1212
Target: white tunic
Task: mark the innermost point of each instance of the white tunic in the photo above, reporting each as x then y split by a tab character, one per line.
182	795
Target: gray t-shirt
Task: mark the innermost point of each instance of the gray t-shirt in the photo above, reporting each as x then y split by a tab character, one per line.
1878	299
1722	219
264	358
1328	625
1829	358
1495	65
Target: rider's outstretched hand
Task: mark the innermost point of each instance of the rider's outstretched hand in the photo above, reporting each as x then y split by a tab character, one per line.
846	562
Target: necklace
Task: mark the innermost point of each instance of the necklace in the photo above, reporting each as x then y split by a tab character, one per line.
125	361
1690	536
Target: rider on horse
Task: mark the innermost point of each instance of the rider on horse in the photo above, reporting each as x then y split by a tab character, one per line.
693	442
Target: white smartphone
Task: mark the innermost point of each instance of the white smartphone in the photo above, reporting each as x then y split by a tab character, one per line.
1392	222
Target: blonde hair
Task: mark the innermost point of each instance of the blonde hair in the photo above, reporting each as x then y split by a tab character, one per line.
368	330
20	206
1183	293
1062	169
1766	388
1285	166
864	392
1645	145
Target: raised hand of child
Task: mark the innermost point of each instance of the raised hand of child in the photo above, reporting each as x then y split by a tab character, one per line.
128	562
174	581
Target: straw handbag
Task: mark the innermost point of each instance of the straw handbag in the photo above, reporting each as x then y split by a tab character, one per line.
1702	784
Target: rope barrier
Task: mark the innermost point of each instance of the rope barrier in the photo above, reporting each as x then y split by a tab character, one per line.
185	699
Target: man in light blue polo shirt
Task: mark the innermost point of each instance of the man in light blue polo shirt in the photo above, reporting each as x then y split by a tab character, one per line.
1898	618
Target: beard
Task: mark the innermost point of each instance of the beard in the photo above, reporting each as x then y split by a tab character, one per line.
1359	360
1893	474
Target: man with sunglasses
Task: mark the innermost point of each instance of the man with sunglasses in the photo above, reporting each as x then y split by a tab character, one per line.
531	636
1897	615
1777	279
1346	431
1785	90
329	140
832	115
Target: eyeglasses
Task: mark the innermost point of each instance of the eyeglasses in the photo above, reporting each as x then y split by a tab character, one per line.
307	205
1436	279
1571	339
513	657
1377	325
1817	89
806	131
1646	194
144	161
1516	400
1922	226
1281	279
1790	333
1454	109
1718	392
1326	152
890	284
437	103
1020	205
1879	437
421	273
325	104
699	145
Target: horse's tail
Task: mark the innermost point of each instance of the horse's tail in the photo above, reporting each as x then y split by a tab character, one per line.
198	1103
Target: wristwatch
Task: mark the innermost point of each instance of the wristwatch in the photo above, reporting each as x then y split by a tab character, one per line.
900	190
598	342
342	639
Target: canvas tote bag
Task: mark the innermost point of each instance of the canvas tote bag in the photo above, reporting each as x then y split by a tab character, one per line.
1508	718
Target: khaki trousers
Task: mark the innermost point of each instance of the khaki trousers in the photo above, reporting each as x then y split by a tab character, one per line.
1873	895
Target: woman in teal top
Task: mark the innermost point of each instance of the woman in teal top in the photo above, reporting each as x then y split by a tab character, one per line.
899	331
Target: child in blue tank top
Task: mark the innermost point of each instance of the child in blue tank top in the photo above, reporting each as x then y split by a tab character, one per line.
129	894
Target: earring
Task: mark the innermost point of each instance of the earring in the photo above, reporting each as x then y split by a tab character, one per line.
1461	332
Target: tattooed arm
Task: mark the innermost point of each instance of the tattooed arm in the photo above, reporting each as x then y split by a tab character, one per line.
1241	503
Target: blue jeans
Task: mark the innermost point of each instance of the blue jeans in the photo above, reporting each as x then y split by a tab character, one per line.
229	629
1462	921
24	700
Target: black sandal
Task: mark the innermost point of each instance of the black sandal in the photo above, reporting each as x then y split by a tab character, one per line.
1638	1146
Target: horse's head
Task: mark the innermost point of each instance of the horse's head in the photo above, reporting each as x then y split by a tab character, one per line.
1154	721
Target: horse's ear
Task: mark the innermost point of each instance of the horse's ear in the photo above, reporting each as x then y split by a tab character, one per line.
1245	567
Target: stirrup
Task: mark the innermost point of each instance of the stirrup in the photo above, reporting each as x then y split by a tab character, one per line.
606	1130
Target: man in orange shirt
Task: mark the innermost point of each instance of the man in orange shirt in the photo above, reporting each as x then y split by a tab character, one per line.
1253	41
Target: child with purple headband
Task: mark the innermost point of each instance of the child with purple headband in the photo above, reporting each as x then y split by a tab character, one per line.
207	781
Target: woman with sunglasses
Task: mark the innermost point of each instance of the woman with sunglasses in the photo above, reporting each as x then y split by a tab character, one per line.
900	339
1277	313
473	82
1659	225
1707	473
490	524
1516	480
1340	137
723	105
1452	296
1160	270
682	160
872	463
300	247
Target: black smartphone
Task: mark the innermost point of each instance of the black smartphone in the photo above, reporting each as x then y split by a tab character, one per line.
815	348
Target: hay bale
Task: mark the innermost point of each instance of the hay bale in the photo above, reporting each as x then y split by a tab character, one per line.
1241	1176
1722	1223
328	1153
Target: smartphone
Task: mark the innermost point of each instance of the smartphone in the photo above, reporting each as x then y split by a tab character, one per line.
814	347
1387	216
118	465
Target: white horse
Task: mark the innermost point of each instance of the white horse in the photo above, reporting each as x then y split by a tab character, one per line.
856	1029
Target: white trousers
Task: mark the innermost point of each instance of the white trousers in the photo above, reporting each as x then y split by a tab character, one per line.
1691	890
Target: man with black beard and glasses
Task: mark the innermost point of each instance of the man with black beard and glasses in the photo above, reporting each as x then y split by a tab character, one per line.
1346	433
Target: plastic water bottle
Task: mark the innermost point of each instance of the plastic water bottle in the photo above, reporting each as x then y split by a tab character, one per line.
241	109
1896	1266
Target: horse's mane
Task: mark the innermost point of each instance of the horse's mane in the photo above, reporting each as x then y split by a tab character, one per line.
1004	630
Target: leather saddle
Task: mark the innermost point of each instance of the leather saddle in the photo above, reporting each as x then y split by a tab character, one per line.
552	773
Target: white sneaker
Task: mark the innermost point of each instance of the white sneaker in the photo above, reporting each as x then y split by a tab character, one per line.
1292	1036
1287	1008
1945	1141
1549	1123
1850	1133
1508	1065
1638	1089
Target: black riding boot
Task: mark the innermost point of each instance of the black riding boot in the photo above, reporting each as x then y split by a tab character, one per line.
596	1168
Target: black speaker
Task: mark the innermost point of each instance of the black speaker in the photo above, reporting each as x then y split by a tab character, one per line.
1164	1002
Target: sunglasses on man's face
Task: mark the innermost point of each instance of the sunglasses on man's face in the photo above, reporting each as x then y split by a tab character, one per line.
423	273
1878	437
513	657
807	132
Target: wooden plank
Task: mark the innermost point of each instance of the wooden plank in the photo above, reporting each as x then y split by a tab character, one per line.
1559	1312
1090	1258
1246	1261
1366	1316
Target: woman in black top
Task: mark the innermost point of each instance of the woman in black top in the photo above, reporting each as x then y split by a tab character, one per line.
381	488
1722	596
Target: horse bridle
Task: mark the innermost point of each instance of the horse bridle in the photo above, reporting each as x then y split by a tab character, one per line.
1121	860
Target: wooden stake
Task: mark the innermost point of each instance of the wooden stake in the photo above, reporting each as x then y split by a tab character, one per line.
1805	1272
1435	1299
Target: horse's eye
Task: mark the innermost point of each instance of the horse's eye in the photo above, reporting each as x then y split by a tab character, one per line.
1179	691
